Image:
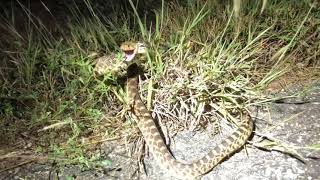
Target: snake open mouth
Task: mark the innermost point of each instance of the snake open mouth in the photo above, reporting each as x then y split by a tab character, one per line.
129	55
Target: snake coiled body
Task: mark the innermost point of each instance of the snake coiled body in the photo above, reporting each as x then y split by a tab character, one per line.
152	135
158	148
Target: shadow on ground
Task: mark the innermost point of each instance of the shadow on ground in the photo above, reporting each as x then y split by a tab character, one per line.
292	123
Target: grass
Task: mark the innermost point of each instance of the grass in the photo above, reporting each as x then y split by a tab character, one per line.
202	60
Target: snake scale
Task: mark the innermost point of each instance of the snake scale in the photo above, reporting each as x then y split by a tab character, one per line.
152	135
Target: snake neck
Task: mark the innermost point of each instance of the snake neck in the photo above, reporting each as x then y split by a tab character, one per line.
132	84
133	71
159	149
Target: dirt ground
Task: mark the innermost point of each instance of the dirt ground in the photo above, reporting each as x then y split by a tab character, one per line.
297	128
290	124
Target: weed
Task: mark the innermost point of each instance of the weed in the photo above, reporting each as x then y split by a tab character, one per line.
202	64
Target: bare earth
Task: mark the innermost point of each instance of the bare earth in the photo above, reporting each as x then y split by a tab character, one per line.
297	126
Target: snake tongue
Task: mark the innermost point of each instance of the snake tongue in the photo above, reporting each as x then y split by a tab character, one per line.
129	55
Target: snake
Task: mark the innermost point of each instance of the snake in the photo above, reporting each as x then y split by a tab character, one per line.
153	138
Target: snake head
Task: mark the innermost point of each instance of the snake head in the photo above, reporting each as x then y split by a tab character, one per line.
132	49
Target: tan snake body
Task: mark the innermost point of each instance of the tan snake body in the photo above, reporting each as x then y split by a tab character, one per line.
159	149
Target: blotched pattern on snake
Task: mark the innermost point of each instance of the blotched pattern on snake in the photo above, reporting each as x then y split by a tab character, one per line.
152	135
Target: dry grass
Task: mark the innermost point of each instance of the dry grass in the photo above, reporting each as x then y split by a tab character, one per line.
203	65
